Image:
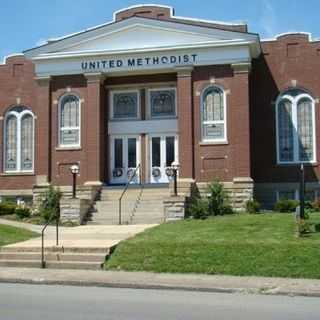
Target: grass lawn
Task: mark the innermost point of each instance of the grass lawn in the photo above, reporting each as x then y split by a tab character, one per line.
10	235
262	245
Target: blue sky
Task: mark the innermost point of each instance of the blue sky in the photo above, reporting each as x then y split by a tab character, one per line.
26	23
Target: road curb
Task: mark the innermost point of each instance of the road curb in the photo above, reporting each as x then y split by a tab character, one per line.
151	286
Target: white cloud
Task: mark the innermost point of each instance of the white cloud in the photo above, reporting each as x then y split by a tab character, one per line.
268	20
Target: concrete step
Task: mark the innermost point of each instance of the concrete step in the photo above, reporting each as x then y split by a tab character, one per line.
54	249
51	264
86	257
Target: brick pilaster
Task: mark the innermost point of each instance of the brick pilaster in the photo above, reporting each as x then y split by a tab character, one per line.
185	123
95	129
43	132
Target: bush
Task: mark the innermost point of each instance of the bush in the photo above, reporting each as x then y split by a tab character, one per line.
200	209
22	212
316	205
49	204
7	209
218	200
286	205
253	206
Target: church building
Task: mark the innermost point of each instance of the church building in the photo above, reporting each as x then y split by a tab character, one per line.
126	99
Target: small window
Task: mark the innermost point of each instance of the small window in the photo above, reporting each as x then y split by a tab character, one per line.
69	119
162	103
19	140
287	195
213	115
125	105
295	127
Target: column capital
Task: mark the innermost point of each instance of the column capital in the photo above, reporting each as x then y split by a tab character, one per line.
95	77
43	80
184	71
242	67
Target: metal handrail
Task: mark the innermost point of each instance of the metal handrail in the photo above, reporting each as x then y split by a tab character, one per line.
126	188
53	217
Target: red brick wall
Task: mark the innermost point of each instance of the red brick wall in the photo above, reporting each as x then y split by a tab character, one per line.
16	82
61	160
231	159
291	57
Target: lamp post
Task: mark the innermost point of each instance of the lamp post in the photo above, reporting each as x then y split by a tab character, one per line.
302	190
74	170
175	167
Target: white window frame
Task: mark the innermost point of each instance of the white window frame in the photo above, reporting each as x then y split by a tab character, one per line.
113	92
296	193
294	104
149	113
60	144
214	141
19	116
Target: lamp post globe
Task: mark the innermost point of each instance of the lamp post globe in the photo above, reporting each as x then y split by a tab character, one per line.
74	170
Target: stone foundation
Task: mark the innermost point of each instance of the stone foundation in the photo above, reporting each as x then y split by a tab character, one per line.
174	208
74	210
240	190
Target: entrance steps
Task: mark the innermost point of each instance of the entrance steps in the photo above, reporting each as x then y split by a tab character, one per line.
139	206
55	257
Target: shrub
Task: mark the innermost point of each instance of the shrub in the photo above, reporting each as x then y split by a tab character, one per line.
218	200
22	212
7	209
49	204
316	205
200	208
253	206
286	205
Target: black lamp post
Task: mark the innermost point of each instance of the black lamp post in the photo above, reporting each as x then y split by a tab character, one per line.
175	167
301	191
74	170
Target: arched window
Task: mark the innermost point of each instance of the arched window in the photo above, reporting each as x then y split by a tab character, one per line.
295	122
213	118
69	121
19	140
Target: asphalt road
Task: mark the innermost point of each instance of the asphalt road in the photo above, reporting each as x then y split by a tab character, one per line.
42	302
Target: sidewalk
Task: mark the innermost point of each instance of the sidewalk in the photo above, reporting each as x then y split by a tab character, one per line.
119	279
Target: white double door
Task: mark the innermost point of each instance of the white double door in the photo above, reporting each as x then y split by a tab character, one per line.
125	151
163	151
125	159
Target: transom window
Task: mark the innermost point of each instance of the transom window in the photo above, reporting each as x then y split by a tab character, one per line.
213	115
295	127
124	104
69	121
19	140
162	102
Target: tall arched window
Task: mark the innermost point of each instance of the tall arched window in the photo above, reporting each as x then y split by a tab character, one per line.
295	120
69	121
213	118
19	140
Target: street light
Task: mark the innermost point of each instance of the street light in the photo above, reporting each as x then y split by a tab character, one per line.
175	167
74	170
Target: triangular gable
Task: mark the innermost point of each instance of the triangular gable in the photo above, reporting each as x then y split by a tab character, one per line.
138	33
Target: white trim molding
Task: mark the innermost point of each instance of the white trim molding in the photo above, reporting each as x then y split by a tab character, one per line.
19	117
294	100
69	146
224	121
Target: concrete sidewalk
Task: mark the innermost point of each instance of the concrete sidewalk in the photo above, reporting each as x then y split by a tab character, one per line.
119	279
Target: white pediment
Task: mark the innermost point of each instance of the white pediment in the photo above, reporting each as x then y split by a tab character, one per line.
136	34
139	37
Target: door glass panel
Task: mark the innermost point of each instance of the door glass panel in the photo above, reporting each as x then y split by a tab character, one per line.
118	159
132	153
169	151
156	152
